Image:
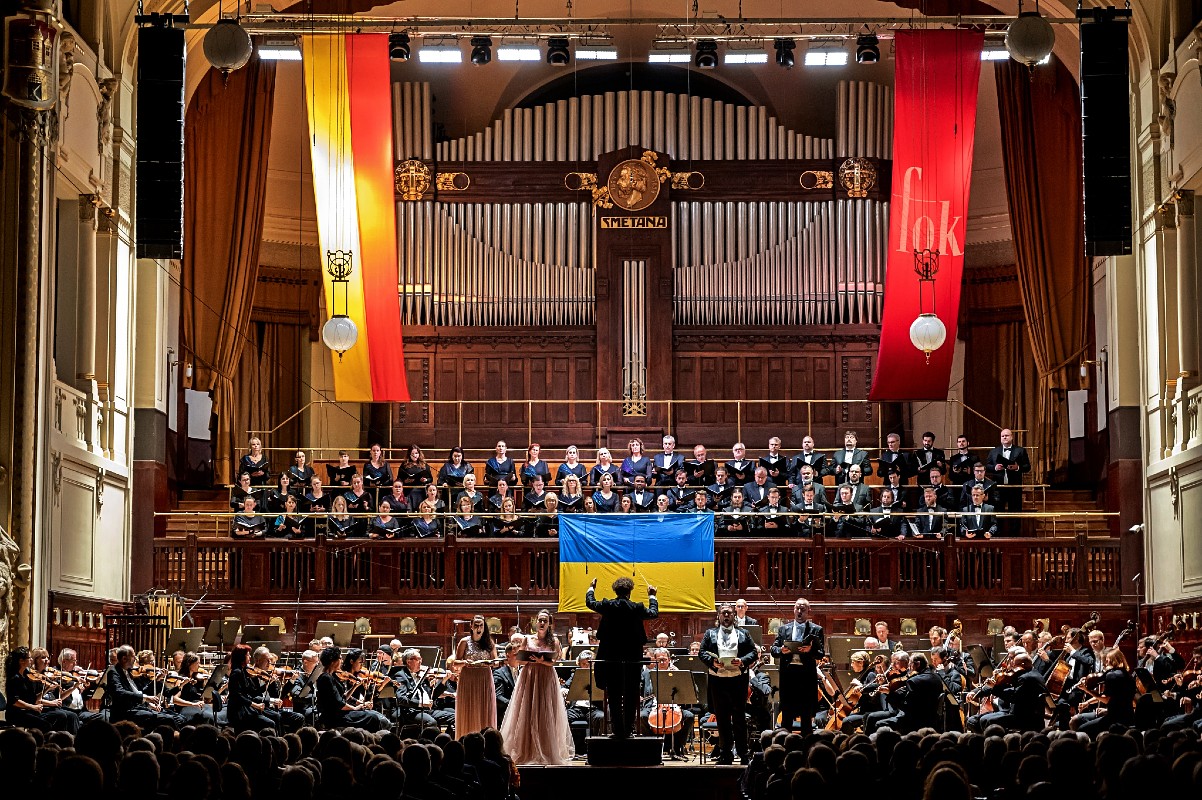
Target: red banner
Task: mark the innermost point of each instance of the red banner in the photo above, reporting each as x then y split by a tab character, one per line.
935	116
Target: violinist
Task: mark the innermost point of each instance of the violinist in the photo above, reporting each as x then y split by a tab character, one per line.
1040	660
27	705
415	691
187	698
654	713
271	683
127	701
147	677
246	708
896	675
335	707
1023	690
918	699
304	686
728	653
79	687
944	664
1117	693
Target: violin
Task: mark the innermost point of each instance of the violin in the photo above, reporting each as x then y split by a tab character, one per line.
148	671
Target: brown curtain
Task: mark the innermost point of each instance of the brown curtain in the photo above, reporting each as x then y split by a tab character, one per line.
267	387
227	136
999	379
1041	150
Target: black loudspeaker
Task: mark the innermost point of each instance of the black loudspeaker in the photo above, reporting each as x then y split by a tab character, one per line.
159	187
1105	132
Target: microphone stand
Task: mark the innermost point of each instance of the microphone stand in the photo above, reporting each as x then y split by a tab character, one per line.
296	619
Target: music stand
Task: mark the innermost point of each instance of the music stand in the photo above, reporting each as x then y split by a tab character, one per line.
186	639
672	687
756	632
575	650
583	689
691	663
341	632
429	654
260	633
222	633
275	645
214	683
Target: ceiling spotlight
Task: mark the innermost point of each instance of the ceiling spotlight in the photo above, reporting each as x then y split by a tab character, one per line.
445	51
784	52
707	54
825	55
398	46
481	50
868	49
519	51
667	53
557	52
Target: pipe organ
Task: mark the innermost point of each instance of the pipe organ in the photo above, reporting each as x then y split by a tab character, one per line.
756	262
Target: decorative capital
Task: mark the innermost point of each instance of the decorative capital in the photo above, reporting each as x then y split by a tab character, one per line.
35	127
1166	216
1185	203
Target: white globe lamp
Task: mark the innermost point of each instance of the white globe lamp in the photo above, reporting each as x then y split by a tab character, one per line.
340	334
928	333
227	45
1030	38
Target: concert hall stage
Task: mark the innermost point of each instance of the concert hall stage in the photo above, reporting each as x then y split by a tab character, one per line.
671	779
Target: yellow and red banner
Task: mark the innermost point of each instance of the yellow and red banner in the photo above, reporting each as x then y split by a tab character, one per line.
349	102
935	118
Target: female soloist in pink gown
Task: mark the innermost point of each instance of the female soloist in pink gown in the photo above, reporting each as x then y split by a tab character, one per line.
476	703
536	727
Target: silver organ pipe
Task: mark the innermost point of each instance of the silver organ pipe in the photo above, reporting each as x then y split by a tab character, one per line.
763	263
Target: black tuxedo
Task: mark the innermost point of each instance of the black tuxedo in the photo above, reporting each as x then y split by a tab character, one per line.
814	459
664	467
1025	699
642	501
978	522
960	467
799	672
778	470
988	485
798	494
757	495
929	521
1008	499
740	471
901	494
806	526
841	461
918	701
621	635
925	459
504	680
126	701
888	524
728	694
899	460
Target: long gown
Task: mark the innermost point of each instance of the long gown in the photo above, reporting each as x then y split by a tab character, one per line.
476	702
536	727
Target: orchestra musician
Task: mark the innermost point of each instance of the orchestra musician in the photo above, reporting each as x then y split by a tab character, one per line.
78	693
917	701
505	678
584	716
335	707
27	704
798	647
187	699
270	686
126	701
1115	696
1023	691
862	692
247	711
305	686
729	653
673	721
416	689
742	618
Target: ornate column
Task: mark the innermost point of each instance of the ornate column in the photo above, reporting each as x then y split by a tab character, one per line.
33	138
85	305
1187	293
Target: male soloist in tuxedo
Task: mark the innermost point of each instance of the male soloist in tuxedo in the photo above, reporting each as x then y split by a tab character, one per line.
621	635
799	668
1007	464
728	653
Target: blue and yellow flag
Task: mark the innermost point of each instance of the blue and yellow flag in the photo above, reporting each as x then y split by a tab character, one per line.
672	552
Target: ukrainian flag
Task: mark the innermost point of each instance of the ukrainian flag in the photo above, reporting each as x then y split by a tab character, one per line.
672	552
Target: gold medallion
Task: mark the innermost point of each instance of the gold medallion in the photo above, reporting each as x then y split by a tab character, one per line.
633	185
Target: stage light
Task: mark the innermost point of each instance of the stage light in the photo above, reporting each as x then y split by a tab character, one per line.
481	50
558	54
596	51
519	51
398	46
747	53
784	52
868	49
446	52
826	55
669	53
279	48
707	54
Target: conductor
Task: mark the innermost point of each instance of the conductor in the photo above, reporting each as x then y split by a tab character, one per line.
622	635
798	647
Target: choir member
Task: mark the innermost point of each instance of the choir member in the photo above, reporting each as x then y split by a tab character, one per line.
385	526
605	466
570	466
465	522
637	463
242	491
427	525
358	501
415	475
892	457
842	460
700	468
300	472
377	472
740	469
500	466
572	497
1007	464
605	499
534	467
289	524
928	456
507	523
961	462
255	464
340	524
470	492
341	474
248	524
977	519
452	473
776	463
665	465
810	457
